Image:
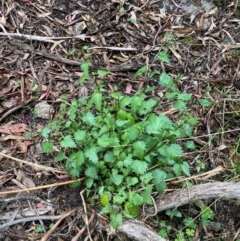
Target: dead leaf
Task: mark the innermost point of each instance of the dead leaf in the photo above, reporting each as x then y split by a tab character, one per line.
13	129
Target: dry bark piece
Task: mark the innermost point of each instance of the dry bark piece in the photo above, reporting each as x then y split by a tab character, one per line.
138	231
197	192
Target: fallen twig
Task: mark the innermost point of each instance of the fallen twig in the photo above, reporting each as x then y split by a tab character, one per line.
23	220
46	236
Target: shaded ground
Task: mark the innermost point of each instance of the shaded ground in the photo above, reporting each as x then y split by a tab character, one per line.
203	45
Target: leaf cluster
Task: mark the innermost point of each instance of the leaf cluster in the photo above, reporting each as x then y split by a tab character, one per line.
124	149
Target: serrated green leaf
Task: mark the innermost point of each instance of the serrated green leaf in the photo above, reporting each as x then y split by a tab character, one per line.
146	177
163	56
45	132
60	156
136	199
91	153
160	186
79	159
171	95
132	181
97	100
83	78
192	121
139	167
116	178
131	209
116	219
85	67
139	149
127	161
74	173
91	172
109	157
155	123
47	147
103	73
204	102
121	123
89	119
106	209
89	182
79	135
104	141
159	175
190	145
68	142
184	96
120	198
180	105
177	169
125	102
72	111
147	196
185	168
136	103
174	150
188	129
141	71
147	106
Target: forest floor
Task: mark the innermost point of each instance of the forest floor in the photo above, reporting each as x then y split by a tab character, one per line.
42	45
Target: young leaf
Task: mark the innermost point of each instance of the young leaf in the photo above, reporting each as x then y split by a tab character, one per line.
139	149
104	141
89	182
45	132
185	168
137	199
141	71
79	135
47	147
60	156
163	56
79	159
96	99
139	167
116	178
204	102
159	175
103	73
91	153
91	172
184	96
147	196
105	198
131	209
190	145
177	169
180	105
68	142
156	123
89	119
174	150
116	219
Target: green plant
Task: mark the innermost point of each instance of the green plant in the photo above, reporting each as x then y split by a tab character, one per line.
163	56
164	229
173	213
39	228
206	215
200	165
122	147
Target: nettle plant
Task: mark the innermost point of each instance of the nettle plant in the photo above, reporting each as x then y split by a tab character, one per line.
124	149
